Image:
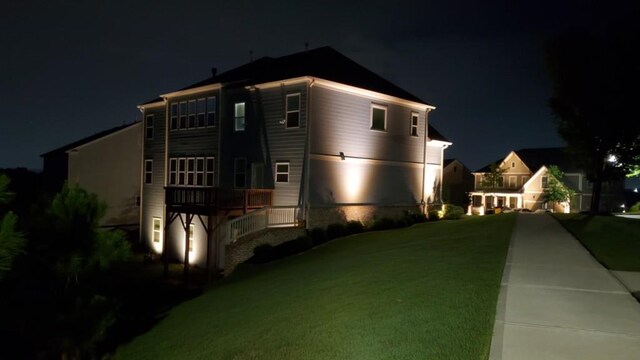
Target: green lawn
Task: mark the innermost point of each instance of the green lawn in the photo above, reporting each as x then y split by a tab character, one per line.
425	292
613	240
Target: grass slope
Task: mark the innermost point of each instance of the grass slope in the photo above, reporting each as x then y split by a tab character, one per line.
614	241
425	292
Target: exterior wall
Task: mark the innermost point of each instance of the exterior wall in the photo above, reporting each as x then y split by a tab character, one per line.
457	182
321	217
381	167
512	166
152	199
110	167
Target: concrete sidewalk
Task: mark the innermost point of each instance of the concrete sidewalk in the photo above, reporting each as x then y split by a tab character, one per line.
558	302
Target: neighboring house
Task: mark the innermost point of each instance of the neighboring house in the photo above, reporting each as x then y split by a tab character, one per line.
524	177
107	164
301	140
457	182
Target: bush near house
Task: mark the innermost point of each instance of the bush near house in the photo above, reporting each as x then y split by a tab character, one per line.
635	208
453	212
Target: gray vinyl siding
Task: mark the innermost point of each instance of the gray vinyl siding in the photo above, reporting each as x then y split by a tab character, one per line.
434	154
153	195
341	122
284	144
343	182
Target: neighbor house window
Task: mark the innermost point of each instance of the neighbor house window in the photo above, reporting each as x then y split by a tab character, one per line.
293	110
513	182
239	117
157	230
173	171
174	116
378	117
148	126
544	181
182	123
209	169
148	172
240	172
211	111
414	124
524	180
500	181
192	113
202	109
513	164
282	172
192	229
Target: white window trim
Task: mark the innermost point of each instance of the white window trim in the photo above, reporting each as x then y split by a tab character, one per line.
148	125
209	171
191	173
182	172
205	171
200	172
190	114
292	111
173	173
180	115
381	107
149	172
236	117
208	111
173	115
280	173
154	231
417	117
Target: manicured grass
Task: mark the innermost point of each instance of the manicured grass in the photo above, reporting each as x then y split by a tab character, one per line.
425	292
614	241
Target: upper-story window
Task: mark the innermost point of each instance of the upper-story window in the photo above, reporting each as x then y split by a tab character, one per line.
202	109
148	172
240	173
282	172
293	110
192	114
513	164
182	123
513	182
211	111
239	116
193	171
378	117
414	124
544	181
148	126
500	181
174	116
524	180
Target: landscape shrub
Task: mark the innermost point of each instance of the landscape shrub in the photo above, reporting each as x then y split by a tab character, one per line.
432	215
261	254
318	236
453	212
384	223
635	208
354	227
265	253
336	230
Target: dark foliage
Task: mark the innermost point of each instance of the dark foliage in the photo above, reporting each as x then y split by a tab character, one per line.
336	230
453	212
318	236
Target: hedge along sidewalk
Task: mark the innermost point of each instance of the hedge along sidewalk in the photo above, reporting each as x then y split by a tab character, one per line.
424	292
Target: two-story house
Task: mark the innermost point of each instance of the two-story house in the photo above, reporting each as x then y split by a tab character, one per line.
305	140
524	178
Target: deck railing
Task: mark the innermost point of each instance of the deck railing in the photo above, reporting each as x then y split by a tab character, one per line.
282	216
217	198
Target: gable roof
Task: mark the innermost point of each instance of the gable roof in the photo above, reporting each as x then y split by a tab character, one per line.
535	158
88	139
324	62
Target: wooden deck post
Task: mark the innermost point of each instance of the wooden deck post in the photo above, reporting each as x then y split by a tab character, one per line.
165	239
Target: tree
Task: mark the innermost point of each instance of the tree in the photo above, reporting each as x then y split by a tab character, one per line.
12	242
556	191
595	76
493	179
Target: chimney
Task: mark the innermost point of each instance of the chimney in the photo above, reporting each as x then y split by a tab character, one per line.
214	71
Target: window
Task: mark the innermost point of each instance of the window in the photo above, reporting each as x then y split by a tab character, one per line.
182	124
513	182
148	172
201	113
182	169
192	114
293	110
157	230
544	181
174	116
192	229
209	169
239	117
378	117
200	171
211	111
173	171
148	126
500	181
282	172
191	171
513	164
240	172
414	124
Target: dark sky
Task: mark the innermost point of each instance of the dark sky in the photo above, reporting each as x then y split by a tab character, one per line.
69	69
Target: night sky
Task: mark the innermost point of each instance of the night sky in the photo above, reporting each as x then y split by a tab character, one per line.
70	69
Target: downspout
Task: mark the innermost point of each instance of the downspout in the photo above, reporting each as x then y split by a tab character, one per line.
141	177
307	168
424	158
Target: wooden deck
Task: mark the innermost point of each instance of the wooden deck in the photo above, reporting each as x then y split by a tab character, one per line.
201	200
